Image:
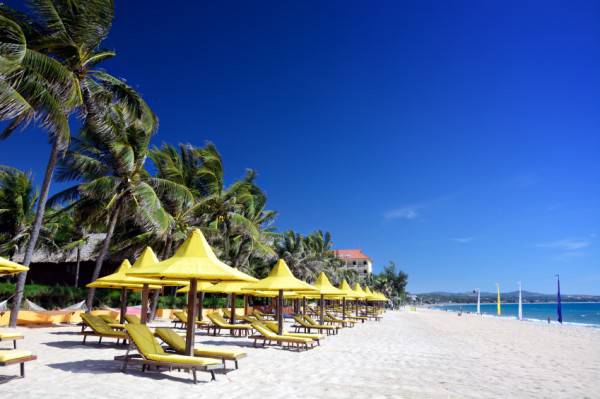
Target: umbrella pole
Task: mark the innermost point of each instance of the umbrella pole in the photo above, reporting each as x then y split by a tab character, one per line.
280	312
123	305
245	305
321	310
201	306
145	292
233	308
191	325
344	308
304	305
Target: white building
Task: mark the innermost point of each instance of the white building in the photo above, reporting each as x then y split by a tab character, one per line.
355	259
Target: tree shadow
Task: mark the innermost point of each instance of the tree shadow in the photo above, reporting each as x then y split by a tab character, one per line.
244	344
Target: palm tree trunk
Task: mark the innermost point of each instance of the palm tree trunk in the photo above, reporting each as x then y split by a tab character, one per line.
35	232
103	253
154	305
77	266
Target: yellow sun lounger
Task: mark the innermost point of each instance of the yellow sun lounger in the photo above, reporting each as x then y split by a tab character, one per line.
304	323
151	354
220	323
181	318
99	328
177	343
112	323
273	326
132	319
14	356
261	315
331	318
267	336
11	336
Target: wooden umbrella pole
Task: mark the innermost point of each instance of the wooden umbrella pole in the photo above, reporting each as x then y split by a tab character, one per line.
245	305
321	310
123	305
145	292
233	308
356	307
304	305
191	325
344	308
280	312
200	306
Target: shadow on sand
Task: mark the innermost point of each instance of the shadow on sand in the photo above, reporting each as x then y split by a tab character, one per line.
112	367
79	345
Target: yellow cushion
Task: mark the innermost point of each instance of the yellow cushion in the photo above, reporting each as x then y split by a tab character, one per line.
10	335
181	359
273	326
144	340
132	319
265	332
12	354
177	342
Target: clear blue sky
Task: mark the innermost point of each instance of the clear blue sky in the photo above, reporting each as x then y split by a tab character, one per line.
459	139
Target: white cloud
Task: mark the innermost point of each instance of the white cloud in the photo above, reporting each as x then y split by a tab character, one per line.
568	244
463	240
407	212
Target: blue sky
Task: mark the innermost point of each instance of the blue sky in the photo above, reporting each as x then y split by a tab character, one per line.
460	140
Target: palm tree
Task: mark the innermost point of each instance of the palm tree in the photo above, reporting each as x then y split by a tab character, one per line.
107	160
47	73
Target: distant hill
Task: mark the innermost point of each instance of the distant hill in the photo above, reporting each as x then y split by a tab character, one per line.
507	297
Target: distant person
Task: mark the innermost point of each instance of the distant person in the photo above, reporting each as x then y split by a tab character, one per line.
548	319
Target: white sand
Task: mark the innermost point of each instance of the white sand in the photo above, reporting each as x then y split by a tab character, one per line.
427	354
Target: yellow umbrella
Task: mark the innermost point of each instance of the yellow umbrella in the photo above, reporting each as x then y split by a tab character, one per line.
226	287
195	261
325	289
348	294
148	259
122	281
8	267
281	279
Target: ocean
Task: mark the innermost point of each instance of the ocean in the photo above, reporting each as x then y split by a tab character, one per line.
583	313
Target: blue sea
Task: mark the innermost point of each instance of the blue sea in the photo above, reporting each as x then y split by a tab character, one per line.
586	313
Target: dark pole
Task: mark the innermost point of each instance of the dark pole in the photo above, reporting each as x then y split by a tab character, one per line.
304	305
280	312
233	308
123	305
191	325
145	292
201	306
322	306
343	308
245	305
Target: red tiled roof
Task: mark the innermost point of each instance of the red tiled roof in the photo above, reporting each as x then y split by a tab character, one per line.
350	254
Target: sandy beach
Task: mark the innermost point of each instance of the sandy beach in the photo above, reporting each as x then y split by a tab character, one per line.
423	354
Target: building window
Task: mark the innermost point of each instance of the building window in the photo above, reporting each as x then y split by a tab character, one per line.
354	263
365	263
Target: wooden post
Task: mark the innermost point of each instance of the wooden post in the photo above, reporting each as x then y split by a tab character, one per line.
123	305
145	292
200	305
280	312
233	308
304	305
321	310
191	324
245	305
344	308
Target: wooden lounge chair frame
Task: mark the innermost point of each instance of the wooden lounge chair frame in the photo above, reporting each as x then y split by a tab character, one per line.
138	358
305	325
119	335
219	323
267	339
21	362
13	339
200	324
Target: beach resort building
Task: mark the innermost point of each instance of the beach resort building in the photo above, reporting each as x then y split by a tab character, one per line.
355	259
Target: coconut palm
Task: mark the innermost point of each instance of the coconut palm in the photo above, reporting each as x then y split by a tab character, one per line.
107	160
48	72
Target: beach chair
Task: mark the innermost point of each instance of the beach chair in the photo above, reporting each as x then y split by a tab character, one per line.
181	318
11	336
313	322
265	335
132	319
304	324
219	323
112	323
262	316
273	326
334	319
151	354
99	328
15	356
177	343
357	318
